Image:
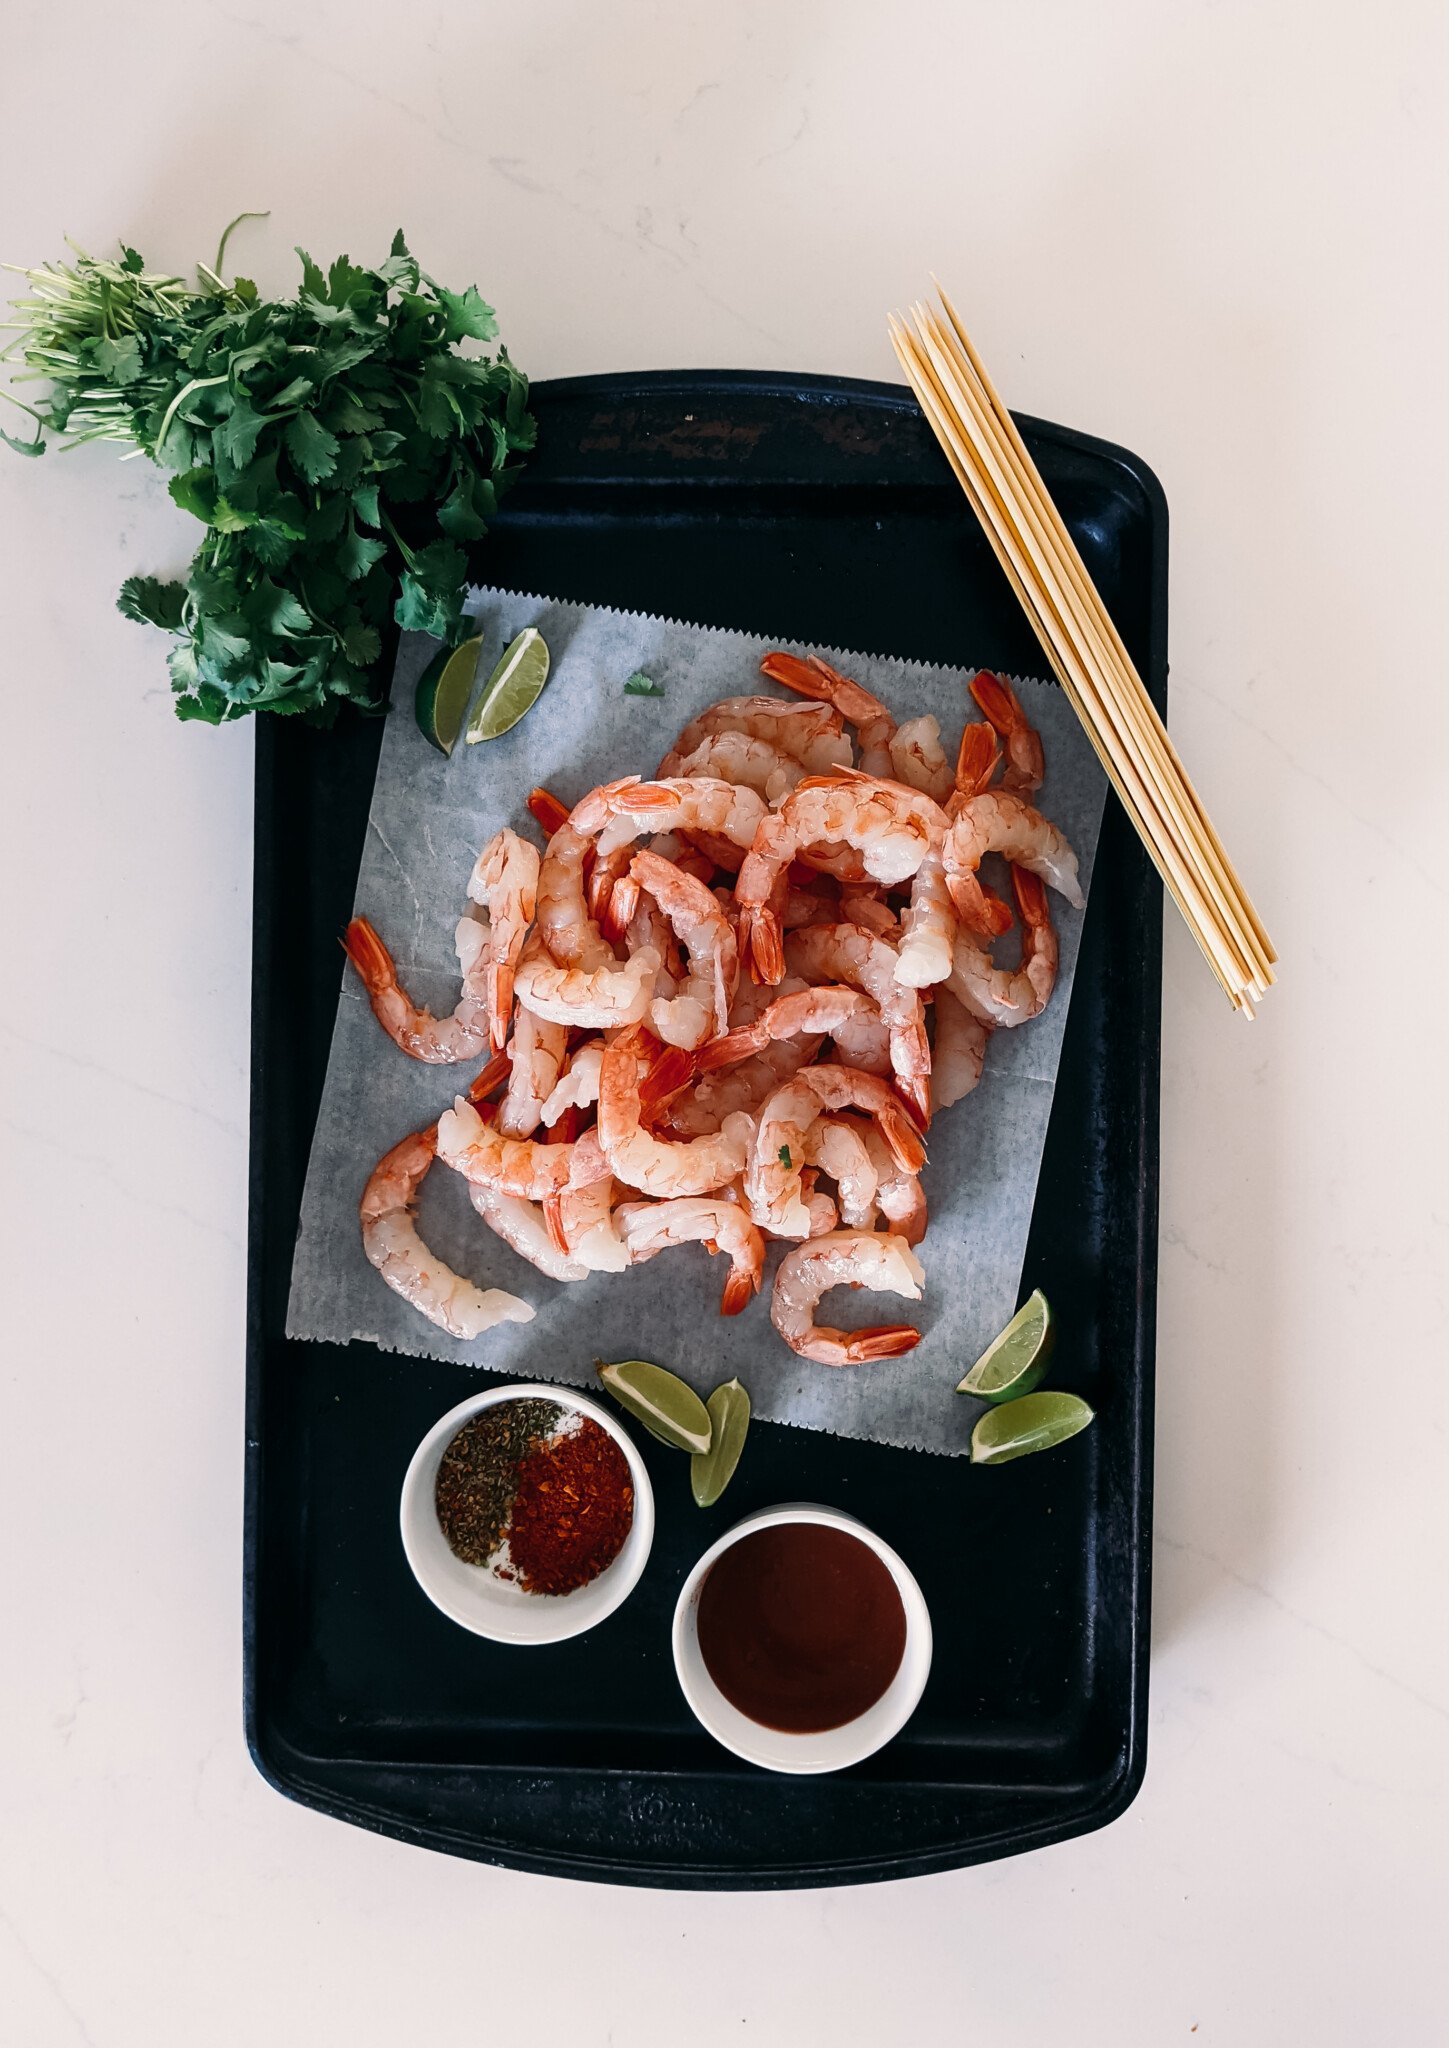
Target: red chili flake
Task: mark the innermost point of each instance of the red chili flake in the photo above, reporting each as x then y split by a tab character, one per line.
573	1509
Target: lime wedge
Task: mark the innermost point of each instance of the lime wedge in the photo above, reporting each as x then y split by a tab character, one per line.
443	691
661	1401
1014	1362
711	1471
1034	1423
512	688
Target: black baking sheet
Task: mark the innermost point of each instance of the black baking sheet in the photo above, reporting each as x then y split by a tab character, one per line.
808	509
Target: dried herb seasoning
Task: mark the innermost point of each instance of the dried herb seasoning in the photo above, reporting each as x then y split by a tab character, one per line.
478	1475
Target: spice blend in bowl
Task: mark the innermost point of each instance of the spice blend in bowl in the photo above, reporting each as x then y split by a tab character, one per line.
525	1517
538	1492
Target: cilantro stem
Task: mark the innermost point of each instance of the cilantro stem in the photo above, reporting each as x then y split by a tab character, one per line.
409	558
196	384
226	236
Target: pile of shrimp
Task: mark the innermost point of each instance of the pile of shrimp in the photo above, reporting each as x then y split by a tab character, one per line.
724	1004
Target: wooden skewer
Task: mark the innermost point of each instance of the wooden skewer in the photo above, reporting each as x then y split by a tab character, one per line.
1166	858
1050	580
1048	504
1087	651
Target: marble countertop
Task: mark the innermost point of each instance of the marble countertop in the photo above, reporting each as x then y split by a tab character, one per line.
1213	232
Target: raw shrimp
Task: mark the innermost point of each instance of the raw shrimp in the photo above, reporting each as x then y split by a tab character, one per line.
1010	995
515	1166
996	821
701	1009
753	764
565	924
857	907
899	1195
823	1214
846	1258
591	999
837	1146
818	1011
661	1167
772	1178
928	928
874	725
719	819
959	1052
848	953
440	1041
741	1089
390	1239
892	829
582	1222
521	1225
718	1224
1025	762
919	760
505	882
808	733
536	1050
579	1087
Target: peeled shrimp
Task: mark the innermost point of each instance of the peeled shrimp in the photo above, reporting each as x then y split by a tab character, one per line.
823	1214
536	1051
1025	762
583	1222
772	1178
391	1241
808	733
505	881
521	1225
899	1196
719	1225
416	1031
753	764
591	999
662	1167
818	1011
837	1146
1010	995
565	923
718	817
579	1087
918	758
847	953
892	829
515	1166
928	928
959	1051
846	1258
701	1009
996	821
874	725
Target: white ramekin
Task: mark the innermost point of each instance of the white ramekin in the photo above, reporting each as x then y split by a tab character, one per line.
475	1597
833	1748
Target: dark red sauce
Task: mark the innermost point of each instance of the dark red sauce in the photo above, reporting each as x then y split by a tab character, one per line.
801	1627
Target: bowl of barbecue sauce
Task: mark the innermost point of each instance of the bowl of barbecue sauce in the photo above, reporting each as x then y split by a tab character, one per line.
801	1640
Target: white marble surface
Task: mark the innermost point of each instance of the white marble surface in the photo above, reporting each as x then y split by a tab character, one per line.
1213	232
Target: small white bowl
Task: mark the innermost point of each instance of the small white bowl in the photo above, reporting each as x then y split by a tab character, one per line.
775	1749
474	1596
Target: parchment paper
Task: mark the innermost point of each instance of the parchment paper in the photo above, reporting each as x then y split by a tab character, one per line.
429	817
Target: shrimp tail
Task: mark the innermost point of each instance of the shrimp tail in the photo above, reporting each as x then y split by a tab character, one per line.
915	1092
739	1288
553	1222
763	943
671	1070
546	810
888	1340
978	758
731	1047
803	677
1031	897
489	1077
369	956
498	984
902	1136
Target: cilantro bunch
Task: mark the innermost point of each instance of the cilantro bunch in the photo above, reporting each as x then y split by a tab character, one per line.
338	448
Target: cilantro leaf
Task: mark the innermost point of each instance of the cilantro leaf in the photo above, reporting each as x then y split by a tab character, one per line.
35	447
784	1156
152	603
356	554
311	447
468	317
640	685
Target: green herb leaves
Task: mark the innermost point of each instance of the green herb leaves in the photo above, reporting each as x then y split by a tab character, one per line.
640	685
338	450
